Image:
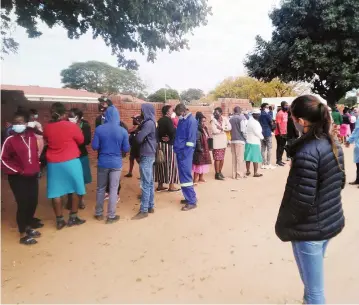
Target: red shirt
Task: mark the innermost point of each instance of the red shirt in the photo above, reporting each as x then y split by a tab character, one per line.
19	155
63	139
281	120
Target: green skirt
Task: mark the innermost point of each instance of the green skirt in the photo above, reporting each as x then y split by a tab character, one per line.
253	153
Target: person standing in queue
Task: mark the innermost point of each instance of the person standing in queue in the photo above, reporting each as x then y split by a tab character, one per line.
354	139
20	161
64	169
266	122
281	131
76	116
135	147
184	145
147	140
311	212
110	140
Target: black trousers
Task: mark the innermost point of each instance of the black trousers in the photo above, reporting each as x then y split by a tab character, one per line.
281	141
26	192
357	180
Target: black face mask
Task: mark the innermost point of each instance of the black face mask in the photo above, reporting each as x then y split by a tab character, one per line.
217	116
285	108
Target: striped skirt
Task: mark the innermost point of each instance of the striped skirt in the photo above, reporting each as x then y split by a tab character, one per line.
167	172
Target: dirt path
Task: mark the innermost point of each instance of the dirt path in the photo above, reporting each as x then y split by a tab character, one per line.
225	251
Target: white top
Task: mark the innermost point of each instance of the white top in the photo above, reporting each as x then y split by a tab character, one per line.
219	136
254	132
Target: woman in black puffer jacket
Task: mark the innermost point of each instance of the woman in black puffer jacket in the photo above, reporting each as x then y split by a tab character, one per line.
311	211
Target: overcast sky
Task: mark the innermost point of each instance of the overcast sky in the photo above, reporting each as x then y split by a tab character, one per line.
216	51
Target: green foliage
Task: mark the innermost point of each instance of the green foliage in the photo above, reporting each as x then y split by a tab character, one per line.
135	25
252	89
95	76
349	101
315	41
191	94
8	45
163	95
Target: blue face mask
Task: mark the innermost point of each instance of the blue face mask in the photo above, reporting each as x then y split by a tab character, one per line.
19	128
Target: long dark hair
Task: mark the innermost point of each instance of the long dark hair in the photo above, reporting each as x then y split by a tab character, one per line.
310	108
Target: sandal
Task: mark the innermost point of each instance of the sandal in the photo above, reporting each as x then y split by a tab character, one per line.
257	175
27	240
33	233
188	207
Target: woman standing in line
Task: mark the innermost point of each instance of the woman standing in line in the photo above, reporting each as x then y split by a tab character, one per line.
354	139
219	126
201	157
252	150
20	161
76	117
311	212
345	126
166	172
64	169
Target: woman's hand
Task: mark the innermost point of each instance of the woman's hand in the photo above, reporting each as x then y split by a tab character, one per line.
165	139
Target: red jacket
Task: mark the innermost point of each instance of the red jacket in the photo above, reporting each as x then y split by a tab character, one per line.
63	139
19	154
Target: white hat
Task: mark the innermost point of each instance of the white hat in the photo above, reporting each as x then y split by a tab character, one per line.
256	111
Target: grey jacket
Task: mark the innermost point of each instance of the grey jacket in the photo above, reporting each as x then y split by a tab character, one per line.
239	123
147	135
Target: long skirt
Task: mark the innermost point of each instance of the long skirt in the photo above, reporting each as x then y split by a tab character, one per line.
252	153
86	169
167	172
65	178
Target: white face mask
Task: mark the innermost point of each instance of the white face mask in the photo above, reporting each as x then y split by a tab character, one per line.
73	120
266	110
173	115
19	128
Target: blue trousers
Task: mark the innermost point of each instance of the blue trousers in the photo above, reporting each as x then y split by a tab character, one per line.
309	256
147	183
184	162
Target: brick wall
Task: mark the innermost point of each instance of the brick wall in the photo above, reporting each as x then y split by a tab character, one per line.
10	100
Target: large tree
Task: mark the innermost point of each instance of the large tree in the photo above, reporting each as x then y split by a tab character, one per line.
135	25
191	94
316	41
252	89
163	95
95	76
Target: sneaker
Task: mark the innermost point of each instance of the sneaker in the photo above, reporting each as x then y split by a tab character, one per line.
60	224
33	233
98	217
264	167
221	175
151	210
189	207
107	197
270	166
75	221
112	219
140	215
280	163
218	177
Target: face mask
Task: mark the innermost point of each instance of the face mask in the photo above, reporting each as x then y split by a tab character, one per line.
266	110
285	108
73	120
19	128
299	127
173	115
36	116
31	124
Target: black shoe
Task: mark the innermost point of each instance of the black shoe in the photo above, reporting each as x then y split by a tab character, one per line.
280	163
75	221
36	223
129	175
218	177
184	201
27	240
112	220
99	217
33	233
140	215
60	224
151	210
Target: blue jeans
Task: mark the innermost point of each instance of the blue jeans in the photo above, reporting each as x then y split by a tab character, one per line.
112	177
309	256
147	183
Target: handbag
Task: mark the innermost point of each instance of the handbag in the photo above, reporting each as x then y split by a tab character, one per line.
160	156
210	143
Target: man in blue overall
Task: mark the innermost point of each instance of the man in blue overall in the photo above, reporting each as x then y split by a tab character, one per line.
184	146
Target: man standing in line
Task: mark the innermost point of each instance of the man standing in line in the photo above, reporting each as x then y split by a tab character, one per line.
184	145
238	140
110	140
146	138
266	122
281	131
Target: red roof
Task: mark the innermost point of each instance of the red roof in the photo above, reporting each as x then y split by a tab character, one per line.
47	91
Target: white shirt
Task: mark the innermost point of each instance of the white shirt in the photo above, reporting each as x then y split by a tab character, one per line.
254	132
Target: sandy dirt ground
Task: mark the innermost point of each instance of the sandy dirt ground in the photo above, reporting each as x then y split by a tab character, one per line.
225	251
